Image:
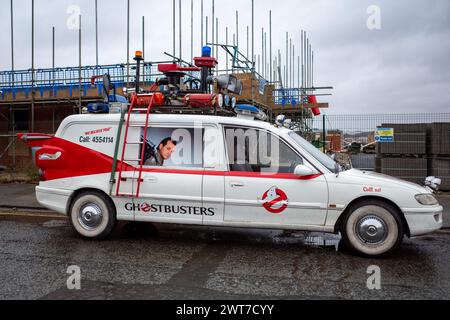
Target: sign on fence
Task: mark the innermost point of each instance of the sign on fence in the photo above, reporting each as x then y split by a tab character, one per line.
384	135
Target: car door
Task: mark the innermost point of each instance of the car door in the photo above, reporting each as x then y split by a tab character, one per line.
214	175
171	191
265	192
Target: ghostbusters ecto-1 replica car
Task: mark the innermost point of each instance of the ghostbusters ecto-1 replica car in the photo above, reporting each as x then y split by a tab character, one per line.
189	155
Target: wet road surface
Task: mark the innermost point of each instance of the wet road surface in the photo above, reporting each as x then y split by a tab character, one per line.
142	261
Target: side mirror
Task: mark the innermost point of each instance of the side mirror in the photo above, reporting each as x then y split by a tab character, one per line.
302	171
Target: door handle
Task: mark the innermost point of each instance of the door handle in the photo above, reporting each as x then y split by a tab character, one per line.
236	185
151	179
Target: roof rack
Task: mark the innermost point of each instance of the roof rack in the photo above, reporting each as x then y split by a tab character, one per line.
174	94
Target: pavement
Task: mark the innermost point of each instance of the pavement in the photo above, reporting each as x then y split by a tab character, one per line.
22	196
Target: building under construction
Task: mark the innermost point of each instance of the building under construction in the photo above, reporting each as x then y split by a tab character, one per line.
37	100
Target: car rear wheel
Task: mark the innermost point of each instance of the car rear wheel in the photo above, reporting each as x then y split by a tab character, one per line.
372	228
93	215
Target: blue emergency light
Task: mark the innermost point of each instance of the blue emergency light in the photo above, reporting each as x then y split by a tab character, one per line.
248	110
206	51
99	107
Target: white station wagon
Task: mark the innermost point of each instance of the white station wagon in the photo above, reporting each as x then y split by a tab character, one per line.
220	171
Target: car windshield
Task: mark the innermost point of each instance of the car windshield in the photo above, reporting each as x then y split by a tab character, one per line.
325	160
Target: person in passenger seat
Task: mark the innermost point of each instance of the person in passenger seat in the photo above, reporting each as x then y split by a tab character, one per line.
160	153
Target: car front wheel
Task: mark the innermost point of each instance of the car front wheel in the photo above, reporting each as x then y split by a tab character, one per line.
93	215
372	228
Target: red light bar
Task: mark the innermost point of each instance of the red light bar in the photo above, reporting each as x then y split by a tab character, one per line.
175	68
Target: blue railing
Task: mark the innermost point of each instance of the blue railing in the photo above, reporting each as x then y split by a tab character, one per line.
289	97
41	80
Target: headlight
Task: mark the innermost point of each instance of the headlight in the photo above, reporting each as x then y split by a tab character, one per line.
426	199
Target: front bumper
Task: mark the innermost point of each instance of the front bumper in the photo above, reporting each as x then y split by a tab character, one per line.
53	199
423	221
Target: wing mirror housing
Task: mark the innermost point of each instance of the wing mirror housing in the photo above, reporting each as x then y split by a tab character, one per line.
303	171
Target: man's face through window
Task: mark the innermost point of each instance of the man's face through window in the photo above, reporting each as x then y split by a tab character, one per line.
167	150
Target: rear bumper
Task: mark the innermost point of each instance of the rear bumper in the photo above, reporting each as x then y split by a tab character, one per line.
53	199
424	221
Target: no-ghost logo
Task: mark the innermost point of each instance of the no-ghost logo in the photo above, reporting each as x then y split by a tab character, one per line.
275	200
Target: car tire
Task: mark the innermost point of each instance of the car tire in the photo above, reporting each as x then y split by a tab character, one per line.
372	228
93	215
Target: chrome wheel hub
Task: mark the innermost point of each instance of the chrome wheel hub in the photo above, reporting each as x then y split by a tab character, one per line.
90	216
372	229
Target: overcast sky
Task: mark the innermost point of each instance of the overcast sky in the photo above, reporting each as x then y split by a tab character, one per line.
402	67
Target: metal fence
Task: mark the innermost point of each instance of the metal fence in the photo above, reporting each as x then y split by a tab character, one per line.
407	146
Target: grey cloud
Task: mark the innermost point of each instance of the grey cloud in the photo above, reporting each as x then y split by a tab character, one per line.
404	67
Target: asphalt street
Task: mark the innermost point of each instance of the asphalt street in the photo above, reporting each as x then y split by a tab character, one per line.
142	261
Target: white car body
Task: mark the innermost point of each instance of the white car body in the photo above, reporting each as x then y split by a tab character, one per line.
224	199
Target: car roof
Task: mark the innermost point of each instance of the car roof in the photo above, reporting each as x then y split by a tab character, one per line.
169	118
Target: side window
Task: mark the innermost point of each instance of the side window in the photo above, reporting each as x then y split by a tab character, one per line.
253	150
172	147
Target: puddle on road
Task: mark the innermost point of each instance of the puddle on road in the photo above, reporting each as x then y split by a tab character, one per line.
313	239
224	234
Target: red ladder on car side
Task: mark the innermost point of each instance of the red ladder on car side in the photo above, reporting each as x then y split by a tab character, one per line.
134	108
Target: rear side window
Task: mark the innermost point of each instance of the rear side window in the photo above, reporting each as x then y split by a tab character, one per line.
255	150
173	147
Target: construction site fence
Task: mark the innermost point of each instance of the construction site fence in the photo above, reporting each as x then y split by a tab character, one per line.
407	146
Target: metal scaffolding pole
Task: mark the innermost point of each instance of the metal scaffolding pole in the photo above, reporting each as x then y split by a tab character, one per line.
201	25
226	53
248	38
302	58
128	42
180	31
79	65
237	28
12	42
312	69
53	57
96	33
143	37
253	33
270	44
213	22
32	66
293	65
266	67
217	40
287	61
253	47
261	71
174	19
206	29
192	31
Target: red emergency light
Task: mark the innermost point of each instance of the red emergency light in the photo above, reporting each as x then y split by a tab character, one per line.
172	67
208	62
